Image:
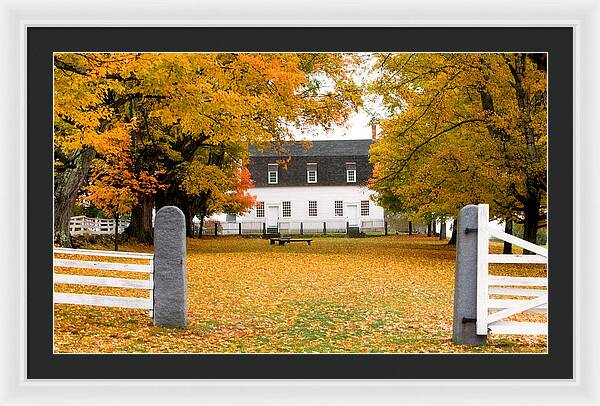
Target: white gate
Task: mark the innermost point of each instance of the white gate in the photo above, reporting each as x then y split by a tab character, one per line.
99	300
491	312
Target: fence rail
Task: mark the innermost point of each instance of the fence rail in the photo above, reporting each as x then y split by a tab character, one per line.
288	227
372	225
491	313
165	269
88	280
80	225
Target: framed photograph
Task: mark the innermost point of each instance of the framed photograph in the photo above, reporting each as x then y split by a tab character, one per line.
360	210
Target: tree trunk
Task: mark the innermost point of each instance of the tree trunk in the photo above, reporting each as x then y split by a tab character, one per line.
189	216
140	227
410	228
429	229
189	224
66	186
532	218
190	205
201	207
116	232
535	183
508	229
173	196
201	225
453	236
442	229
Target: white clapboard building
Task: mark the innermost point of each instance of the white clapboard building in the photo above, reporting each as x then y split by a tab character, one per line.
313	187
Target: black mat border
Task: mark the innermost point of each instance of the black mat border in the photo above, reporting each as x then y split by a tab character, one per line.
42	364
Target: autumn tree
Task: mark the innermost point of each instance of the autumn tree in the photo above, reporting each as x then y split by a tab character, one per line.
223	189
90	93
461	129
113	186
193	108
222	103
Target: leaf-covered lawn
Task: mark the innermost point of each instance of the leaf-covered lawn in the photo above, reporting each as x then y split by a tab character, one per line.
380	294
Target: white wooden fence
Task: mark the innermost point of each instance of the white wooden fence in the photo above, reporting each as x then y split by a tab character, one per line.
79	225
492	312
99	300
372	225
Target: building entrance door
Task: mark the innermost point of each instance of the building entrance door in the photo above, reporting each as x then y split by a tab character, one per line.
272	216
352	213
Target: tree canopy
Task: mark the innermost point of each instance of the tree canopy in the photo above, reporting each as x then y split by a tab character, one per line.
133	131
174	128
462	129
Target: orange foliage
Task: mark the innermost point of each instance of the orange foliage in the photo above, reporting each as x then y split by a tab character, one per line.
239	200
114	186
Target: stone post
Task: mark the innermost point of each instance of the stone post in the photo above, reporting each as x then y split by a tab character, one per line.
465	282
170	286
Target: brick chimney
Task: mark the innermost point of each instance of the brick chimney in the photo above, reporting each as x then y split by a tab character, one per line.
374	132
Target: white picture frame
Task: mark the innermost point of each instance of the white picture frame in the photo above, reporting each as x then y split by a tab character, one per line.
584	16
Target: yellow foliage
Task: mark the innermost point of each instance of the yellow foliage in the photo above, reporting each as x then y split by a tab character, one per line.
385	294
461	129
182	103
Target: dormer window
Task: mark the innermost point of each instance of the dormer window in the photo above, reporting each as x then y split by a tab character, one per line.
311	173
273	175
351	175
351	172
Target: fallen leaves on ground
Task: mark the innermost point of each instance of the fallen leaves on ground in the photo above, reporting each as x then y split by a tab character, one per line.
382	294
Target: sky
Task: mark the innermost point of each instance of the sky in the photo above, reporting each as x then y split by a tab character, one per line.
357	127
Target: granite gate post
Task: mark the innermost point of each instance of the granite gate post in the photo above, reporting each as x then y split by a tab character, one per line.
170	287
465	281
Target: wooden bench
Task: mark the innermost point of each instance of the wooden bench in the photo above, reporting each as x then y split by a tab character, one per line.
285	240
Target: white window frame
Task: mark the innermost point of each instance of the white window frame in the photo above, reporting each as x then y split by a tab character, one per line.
316	208
339	207
287	209
308	172
275	171
276	178
368	204
260	208
348	172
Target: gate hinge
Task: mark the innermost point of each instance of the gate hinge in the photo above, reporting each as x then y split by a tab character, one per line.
470	230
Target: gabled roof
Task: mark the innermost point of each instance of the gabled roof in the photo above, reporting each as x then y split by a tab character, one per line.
331	158
317	148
